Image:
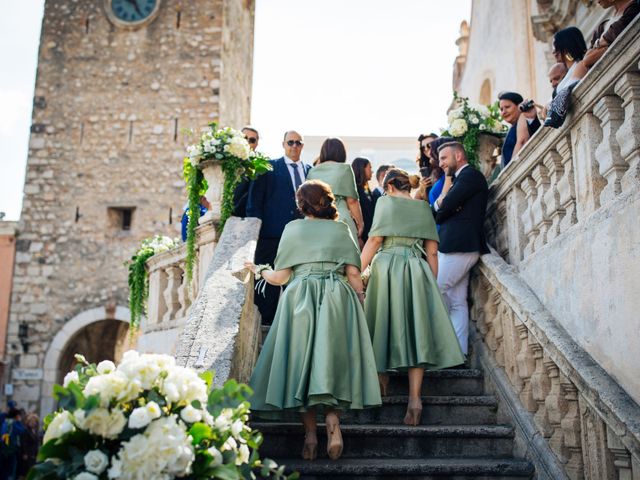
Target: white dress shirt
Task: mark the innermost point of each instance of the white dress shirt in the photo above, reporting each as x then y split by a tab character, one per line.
300	165
436	206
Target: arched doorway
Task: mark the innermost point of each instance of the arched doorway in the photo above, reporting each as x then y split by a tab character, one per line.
96	333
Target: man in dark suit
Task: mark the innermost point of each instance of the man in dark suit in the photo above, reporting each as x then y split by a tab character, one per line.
272	198
460	212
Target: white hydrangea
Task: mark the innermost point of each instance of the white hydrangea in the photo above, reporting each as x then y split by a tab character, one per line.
105	366
114	386
164	450
140	417
70	377
62	423
183	384
190	414
458	127
238	146
102	422
481	109
455	114
154	410
96	461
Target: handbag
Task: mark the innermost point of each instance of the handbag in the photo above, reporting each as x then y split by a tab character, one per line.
559	107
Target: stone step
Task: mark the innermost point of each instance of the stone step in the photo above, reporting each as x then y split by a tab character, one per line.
437	410
441	382
415	469
284	440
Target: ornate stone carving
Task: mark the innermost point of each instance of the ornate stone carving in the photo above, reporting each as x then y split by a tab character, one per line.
598	461
553	15
612	166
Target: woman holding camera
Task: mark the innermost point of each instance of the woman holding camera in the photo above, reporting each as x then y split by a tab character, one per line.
363	172
317	355
408	320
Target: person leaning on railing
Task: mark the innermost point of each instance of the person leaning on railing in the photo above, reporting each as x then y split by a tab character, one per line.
523	118
624	11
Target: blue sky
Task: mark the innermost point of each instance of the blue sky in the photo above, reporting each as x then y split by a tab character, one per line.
337	67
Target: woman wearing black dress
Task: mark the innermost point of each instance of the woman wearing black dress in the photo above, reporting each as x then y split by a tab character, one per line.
363	172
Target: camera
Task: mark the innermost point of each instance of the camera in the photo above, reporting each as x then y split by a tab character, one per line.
526	106
425	171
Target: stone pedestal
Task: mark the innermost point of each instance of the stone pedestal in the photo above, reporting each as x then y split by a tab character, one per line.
212	171
486	147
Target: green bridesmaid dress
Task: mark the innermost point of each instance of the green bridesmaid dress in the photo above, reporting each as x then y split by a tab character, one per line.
342	181
407	317
318	351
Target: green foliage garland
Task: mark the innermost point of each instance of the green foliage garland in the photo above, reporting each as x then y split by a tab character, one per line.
468	121
238	162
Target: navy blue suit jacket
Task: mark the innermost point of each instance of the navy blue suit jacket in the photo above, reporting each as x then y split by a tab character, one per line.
272	199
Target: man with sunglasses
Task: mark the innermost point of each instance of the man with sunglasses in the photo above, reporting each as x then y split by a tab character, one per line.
272	198
241	193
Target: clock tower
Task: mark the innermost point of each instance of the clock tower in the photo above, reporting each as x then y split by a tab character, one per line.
117	83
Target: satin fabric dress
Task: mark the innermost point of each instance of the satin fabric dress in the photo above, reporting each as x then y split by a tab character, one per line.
342	181
318	351
407	317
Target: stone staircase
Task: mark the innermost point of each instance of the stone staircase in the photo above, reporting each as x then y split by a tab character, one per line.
460	436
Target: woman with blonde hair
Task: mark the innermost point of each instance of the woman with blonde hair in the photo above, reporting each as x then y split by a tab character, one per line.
408	320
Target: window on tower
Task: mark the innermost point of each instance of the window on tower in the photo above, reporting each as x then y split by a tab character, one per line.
120	218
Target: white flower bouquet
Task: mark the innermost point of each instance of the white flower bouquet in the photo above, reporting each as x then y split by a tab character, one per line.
469	120
150	419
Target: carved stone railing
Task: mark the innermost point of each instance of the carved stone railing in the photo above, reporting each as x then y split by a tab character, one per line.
561	177
589	425
556	322
170	295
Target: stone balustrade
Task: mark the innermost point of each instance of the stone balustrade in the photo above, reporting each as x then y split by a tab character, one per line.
170	295
561	177
589	424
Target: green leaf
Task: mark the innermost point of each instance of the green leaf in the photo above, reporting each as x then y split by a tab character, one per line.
199	431
207	376
226	472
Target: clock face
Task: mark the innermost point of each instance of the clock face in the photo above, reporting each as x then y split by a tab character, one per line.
133	10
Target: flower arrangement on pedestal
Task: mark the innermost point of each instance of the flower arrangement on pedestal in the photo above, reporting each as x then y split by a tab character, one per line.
138	278
150	419
214	166
468	121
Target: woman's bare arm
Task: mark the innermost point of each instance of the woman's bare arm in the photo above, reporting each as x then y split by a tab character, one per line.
431	247
273	277
356	213
354	279
369	250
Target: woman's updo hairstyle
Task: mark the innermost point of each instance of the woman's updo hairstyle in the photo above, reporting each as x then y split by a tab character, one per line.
315	198
400	180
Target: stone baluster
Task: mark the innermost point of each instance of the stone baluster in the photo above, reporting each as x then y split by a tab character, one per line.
501	234
598	460
170	294
556	407
586	135
511	348
498	329
622	460
553	207
539	217
540	387
515	206
528	186
612	166
156	306
628	135
566	186
525	365
571	429
184	298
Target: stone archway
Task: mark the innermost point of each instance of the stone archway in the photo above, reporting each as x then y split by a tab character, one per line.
80	333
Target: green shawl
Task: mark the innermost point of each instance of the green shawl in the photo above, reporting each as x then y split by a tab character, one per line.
403	217
339	176
308	241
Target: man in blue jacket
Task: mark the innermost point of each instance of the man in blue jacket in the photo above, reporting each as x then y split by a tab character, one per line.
272	199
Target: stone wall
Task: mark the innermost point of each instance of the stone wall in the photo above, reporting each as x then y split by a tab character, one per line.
7	258
109	106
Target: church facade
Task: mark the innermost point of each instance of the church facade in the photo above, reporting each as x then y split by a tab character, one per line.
117	85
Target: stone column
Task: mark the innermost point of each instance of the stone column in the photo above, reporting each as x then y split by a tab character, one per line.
566	186
539	216
612	166
628	135
585	137
553	208
170	294
528	186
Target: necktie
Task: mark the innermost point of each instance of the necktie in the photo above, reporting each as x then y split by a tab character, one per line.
296	176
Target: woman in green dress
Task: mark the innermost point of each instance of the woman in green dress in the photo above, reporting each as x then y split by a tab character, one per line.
317	355
332	168
408	320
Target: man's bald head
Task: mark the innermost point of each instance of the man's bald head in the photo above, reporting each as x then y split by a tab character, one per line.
557	73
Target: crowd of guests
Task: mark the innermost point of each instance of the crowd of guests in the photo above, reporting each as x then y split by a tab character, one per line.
20	438
359	282
574	59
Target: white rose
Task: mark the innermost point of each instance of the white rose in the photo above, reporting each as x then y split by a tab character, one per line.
96	461
183	384
190	414
223	421
217	456
113	386
483	127
70	377
60	425
85	476
458	128
243	455
139	418
154	410
108	425
105	366
474	120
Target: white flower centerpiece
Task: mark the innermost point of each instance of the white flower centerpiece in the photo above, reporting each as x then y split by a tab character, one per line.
138	277
213	167
478	127
150	419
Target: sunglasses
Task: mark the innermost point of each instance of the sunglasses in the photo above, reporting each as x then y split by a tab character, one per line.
297	143
251	140
427	146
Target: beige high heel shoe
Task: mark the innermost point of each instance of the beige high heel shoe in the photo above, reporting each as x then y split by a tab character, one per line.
334	436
